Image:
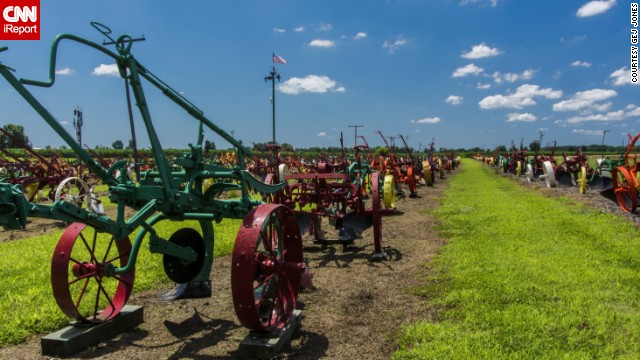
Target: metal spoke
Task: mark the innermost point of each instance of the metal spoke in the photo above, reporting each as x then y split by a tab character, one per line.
81	295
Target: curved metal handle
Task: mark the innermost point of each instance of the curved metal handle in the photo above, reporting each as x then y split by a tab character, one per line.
103	29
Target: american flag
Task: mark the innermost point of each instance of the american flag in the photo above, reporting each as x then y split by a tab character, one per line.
278	59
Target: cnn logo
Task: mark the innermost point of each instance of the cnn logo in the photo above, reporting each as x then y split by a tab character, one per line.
20	20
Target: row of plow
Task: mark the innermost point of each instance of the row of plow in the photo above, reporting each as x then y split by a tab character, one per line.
279	199
618	173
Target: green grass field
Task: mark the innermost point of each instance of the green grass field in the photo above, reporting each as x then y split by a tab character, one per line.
524	276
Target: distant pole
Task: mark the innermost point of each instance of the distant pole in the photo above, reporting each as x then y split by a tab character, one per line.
77	124
604	132
355	138
273	76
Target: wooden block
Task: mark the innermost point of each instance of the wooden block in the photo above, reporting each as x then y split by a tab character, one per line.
266	346
74	338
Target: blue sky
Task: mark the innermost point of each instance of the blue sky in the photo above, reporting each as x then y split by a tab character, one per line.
464	72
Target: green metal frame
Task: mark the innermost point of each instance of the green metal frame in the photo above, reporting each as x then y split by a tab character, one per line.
162	194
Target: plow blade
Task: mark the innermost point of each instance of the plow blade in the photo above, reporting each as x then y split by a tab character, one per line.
350	227
304	221
353	225
564	178
602	183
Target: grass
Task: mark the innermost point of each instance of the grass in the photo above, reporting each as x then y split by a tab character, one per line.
26	298
523	276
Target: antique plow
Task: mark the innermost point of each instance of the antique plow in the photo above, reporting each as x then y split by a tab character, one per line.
625	177
55	174
93	266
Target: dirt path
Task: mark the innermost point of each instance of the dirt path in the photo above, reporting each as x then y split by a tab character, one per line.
355	311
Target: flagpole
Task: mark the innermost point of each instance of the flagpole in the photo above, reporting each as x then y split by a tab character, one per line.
273	75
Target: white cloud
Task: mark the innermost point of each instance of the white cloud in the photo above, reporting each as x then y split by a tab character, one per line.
482	86
492	3
310	83
278	30
585	100
324	27
499	78
595	7
587	132
299	29
454	100
466	70
579	63
610	116
630	111
322	43
106	69
522	97
432	120
622	76
526	117
395	45
322	134
481	51
65	71
360	35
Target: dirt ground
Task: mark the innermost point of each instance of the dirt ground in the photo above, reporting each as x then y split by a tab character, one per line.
354	312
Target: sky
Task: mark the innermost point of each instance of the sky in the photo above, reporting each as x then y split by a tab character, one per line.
463	73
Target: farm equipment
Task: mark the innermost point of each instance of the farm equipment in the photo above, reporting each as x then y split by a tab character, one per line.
93	265
431	165
337	191
55	176
517	160
625	177
573	169
397	168
542	166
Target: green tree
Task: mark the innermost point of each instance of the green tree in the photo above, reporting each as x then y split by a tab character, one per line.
384	151
17	131
117	144
534	146
209	145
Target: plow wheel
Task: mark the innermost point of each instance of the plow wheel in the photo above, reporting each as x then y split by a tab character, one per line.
81	286
626	193
518	168
529	173
426	173
582	179
266	268
389	192
31	191
73	190
548	175
411	180
177	269
377	220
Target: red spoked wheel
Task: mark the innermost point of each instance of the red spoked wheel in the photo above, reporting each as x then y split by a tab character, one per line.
81	286
625	191
266	268
375	213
